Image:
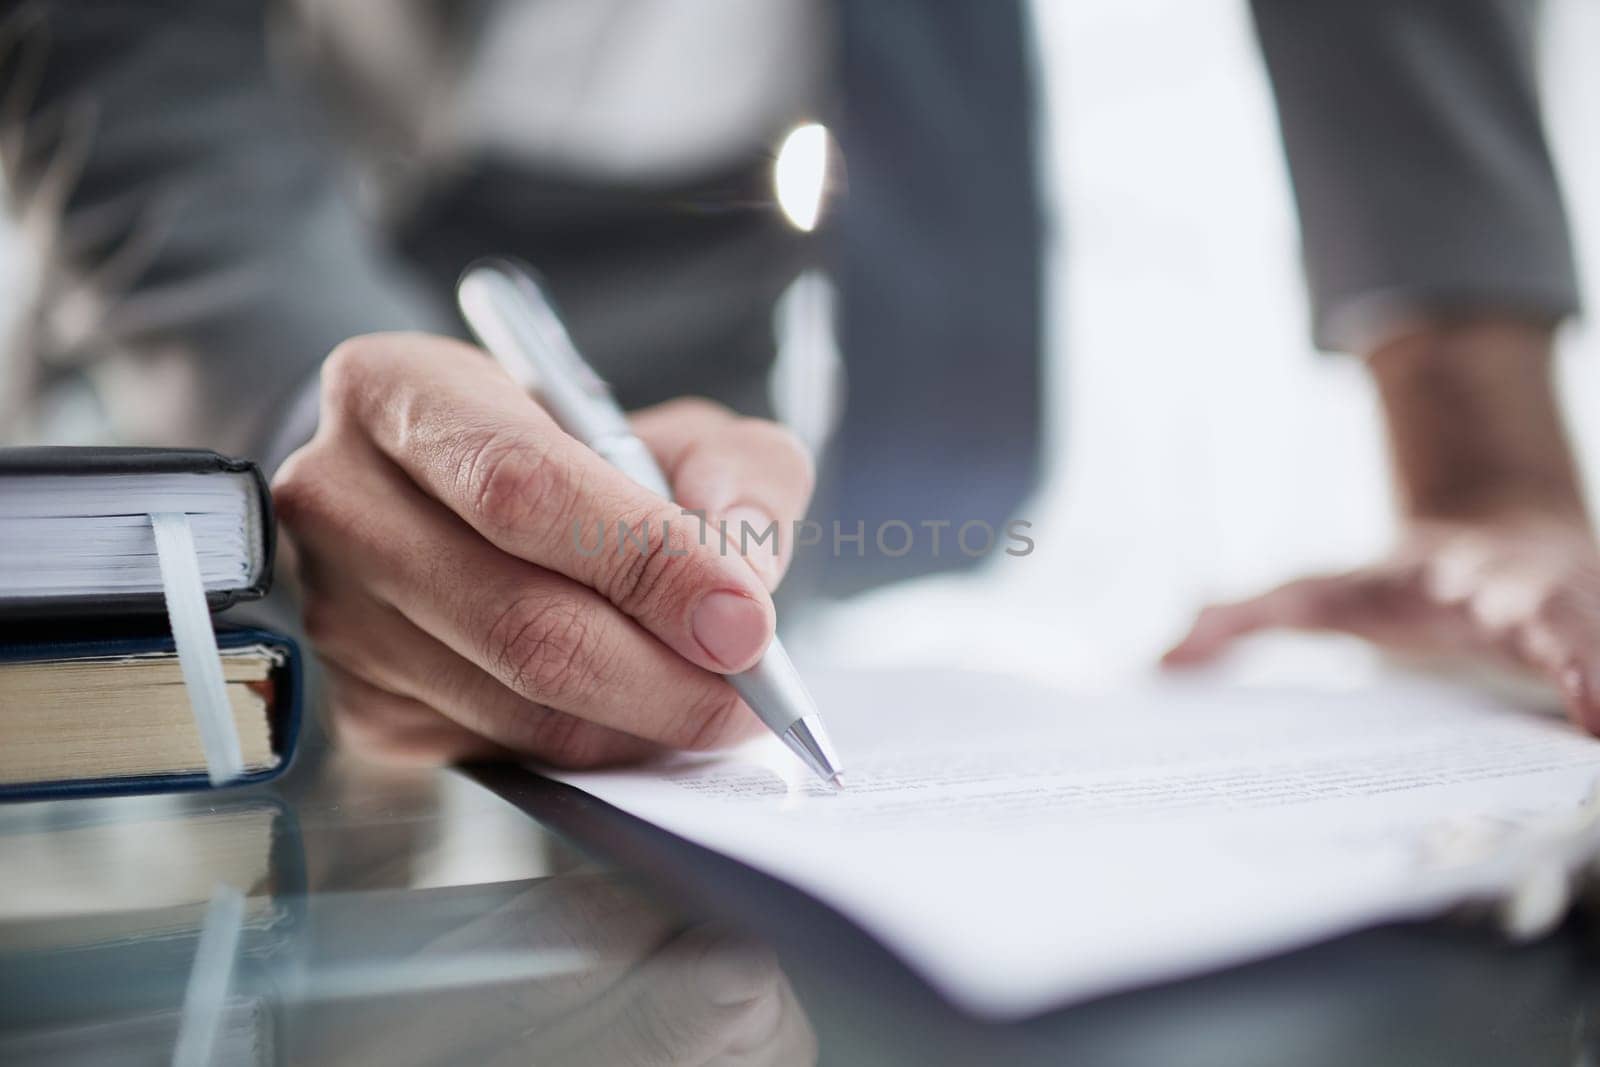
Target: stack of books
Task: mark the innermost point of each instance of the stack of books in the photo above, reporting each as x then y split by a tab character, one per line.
93	696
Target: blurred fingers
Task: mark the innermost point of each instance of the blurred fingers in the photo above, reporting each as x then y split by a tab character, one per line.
1388	605
1517	612
1337	602
1553	631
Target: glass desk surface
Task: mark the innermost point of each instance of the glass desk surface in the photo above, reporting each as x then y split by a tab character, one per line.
421	916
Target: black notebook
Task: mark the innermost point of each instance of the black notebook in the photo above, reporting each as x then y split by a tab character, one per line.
75	536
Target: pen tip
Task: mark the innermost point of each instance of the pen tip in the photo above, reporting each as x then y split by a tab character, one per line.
837	781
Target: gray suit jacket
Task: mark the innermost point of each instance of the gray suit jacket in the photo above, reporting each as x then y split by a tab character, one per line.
1420	167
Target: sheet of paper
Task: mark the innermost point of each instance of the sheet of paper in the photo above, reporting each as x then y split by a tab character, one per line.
1023	847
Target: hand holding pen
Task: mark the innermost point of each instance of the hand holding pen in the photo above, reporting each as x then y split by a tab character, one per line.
431	522
517	323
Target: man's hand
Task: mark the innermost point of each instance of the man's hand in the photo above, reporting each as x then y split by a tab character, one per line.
1497	559
1519	592
446	529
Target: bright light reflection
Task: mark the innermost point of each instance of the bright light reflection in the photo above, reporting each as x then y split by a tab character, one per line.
799	174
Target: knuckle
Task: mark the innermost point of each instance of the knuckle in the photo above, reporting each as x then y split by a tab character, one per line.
297	489
291	500
640	579
510	477
347	370
1555	606
292	471
628	580
541	647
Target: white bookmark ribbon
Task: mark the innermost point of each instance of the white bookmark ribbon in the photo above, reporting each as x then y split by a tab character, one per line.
205	999
198	658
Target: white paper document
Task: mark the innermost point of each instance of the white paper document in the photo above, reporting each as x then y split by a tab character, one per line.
1023	847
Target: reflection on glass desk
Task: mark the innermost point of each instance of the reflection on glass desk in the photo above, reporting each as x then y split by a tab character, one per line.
366	916
356	914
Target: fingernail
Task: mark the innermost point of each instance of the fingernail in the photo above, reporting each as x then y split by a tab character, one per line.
731	627
734	970
748	534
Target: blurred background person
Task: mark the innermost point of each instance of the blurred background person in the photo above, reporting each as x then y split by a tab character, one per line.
248	184
223	192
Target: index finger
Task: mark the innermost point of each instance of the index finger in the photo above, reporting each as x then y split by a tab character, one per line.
461	430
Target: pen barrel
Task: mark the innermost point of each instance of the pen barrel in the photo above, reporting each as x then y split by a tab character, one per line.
516	320
773	689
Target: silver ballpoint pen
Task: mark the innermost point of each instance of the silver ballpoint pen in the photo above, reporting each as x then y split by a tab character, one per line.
514	319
